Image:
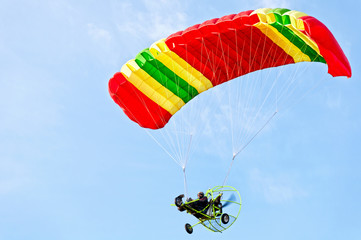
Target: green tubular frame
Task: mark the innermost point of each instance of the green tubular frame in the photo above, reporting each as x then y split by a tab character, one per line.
215	223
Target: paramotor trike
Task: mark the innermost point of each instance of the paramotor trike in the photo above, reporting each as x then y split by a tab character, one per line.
212	216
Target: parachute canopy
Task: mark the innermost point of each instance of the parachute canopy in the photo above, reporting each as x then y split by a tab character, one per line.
161	79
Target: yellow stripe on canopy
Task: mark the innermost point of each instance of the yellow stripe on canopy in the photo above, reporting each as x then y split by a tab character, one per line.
295	21
151	87
262	14
282	42
179	66
307	40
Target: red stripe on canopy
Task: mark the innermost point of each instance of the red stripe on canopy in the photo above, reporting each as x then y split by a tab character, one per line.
228	47
338	64
137	106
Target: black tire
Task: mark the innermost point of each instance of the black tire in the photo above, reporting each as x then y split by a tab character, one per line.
225	218
178	201
189	228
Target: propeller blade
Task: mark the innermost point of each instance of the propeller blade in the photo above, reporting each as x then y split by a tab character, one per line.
230	199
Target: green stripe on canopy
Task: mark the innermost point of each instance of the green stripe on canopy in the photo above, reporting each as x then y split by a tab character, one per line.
165	76
298	42
283	20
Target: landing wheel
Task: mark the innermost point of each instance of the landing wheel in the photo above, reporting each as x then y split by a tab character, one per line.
225	218
178	201
189	228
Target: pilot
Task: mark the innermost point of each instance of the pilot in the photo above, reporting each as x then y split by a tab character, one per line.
201	203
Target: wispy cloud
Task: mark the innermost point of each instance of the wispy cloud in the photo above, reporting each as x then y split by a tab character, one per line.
274	3
275	190
229	117
98	34
334	101
151	19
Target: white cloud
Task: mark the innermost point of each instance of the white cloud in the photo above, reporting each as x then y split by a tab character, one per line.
275	190
274	4
334	101
98	34
151	19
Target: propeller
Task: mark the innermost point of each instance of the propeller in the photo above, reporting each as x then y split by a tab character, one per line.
231	199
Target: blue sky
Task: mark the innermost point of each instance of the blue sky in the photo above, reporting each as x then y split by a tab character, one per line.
73	166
